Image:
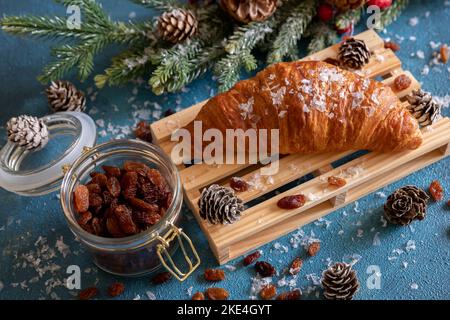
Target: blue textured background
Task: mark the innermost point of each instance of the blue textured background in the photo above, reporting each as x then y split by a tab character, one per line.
348	233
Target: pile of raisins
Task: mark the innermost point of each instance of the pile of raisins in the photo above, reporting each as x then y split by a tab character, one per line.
122	201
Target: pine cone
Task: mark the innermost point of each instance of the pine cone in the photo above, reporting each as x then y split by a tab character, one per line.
339	282
246	11
64	96
345	5
423	107
219	204
177	25
405	205
354	53
28	132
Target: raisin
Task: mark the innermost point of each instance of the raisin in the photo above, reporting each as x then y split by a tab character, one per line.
123	215
113	186
143	131
264	269
142	205
88	293
198	296
145	218
161	278
217	294
116	289
444	53
436	190
84	218
214	275
336	181
113	226
112	171
296	265
107	198
81	198
100	179
332	61
156	178
95	200
448	203
129	184
239	184
97	226
248	260
313	248
290	295
268	292
138	167
292	202
94	188
392	45
402	82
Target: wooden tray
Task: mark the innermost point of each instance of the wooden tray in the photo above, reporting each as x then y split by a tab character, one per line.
265	222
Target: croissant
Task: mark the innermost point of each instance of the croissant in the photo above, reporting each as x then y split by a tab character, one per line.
317	107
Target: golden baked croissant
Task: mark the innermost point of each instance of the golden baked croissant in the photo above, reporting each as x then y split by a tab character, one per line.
317	107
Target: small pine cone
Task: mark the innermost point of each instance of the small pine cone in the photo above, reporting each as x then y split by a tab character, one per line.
177	25
246	11
346	5
339	282
64	96
28	132
423	107
354	53
405	205
219	204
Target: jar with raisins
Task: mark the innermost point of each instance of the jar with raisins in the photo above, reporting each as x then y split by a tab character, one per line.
75	158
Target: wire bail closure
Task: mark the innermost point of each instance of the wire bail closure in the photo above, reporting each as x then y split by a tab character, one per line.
162	249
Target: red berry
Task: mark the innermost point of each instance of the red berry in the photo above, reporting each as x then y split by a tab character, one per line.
325	12
382	4
347	30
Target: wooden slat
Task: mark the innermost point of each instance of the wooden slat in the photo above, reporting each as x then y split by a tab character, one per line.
267	213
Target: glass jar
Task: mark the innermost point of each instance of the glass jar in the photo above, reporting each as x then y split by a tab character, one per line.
67	160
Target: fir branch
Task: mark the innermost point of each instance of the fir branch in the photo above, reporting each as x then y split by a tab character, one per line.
291	31
391	14
162	5
322	36
227	71
92	11
345	19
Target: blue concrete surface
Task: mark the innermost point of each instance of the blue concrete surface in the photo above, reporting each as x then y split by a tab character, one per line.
413	261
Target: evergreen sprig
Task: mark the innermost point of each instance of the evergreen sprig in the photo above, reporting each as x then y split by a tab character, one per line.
291	31
345	19
391	14
321	35
162	5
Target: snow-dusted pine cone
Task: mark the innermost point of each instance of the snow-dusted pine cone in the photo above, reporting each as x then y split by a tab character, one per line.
219	204
28	132
423	107
405	205
354	53
339	282
177	25
64	96
246	11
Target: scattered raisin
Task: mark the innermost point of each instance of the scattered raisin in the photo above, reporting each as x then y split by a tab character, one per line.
444	53
198	296
217	294
81	198
88	293
402	82
336	181
252	257
436	190
239	184
290	295
264	269
143	131
313	249
391	45
214	275
116	289
448	203
292	202
161	278
296	265
268	292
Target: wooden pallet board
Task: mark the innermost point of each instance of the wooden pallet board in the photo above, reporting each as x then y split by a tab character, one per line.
264	221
